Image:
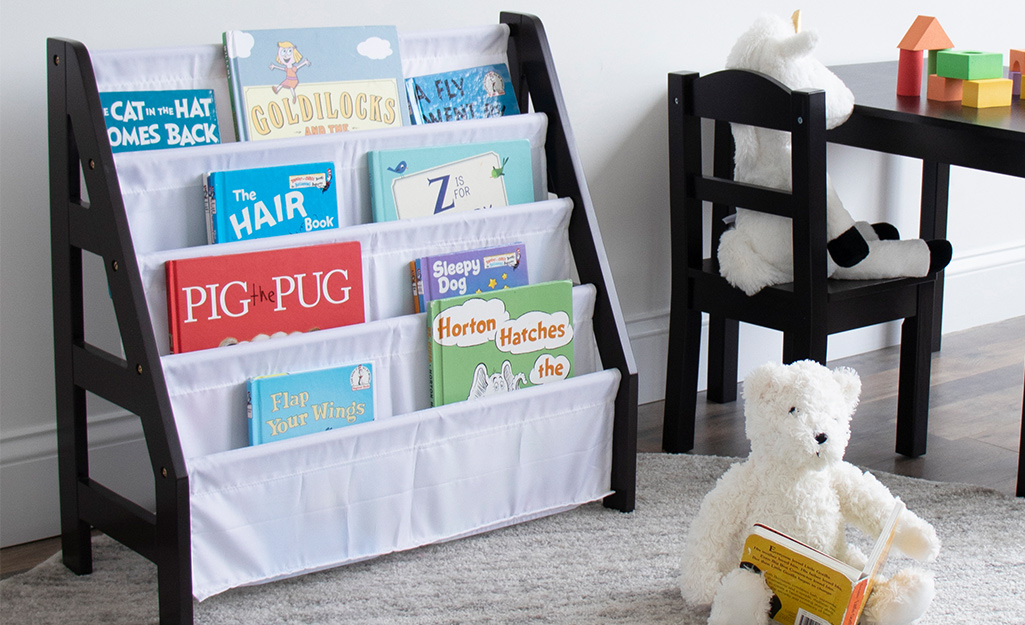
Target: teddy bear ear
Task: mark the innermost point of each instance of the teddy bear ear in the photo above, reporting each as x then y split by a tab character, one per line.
763	382
850	385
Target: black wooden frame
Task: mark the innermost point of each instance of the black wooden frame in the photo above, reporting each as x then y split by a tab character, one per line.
79	149
807	310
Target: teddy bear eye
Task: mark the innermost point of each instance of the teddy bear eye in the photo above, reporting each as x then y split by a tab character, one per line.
793	410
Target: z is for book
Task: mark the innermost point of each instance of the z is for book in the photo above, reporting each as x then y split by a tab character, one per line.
293	82
236	298
810	587
499	342
270	201
294	404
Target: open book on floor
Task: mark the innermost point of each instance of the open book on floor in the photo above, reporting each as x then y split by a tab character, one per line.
814	588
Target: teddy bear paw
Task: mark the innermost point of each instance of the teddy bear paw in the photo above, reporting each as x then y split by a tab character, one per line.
940	253
901	599
848	249
886	231
743	597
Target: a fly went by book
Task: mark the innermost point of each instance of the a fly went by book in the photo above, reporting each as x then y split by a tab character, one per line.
292	404
292	82
236	298
472	93
814	588
498	342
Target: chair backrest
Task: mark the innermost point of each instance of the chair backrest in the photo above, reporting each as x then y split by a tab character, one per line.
753	99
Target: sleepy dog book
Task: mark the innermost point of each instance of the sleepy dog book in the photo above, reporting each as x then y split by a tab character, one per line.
269	201
473	271
434	180
294	404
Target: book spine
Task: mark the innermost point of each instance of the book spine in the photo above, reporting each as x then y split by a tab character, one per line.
254	424
234	89
377	203
173	322
414	278
433	358
415	114
210	200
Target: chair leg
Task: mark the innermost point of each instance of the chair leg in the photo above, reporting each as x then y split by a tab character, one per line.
805	345
723	343
681	381
1020	491
916	342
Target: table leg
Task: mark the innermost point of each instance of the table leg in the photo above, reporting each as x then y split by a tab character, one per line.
933	225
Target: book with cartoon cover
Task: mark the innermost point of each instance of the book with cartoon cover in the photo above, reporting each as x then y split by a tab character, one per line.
160	119
472	271
293	82
471	93
407	183
498	342
287	405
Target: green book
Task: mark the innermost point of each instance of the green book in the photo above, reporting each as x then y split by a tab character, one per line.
489	343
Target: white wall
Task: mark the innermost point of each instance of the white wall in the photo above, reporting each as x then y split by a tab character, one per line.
612	62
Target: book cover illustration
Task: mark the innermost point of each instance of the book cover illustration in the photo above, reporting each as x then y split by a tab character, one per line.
294	404
811	587
236	298
498	342
292	82
269	201
467	272
431	180
472	93
155	120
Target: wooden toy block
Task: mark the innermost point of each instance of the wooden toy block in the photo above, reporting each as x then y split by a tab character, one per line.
909	73
943	89
925	34
969	64
1016	60
987	93
1015	83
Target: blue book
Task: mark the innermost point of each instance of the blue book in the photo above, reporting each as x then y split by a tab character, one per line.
269	201
431	180
293	82
473	271
473	93
288	405
155	120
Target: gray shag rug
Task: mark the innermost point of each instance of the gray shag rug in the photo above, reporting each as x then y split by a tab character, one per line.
588	565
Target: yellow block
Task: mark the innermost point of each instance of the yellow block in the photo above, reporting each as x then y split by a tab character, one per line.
987	93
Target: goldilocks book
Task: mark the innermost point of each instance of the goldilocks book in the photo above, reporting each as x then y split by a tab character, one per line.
269	201
293	404
499	342
293	82
814	588
433	180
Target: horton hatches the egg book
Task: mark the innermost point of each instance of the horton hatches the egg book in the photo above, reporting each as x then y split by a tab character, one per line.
292	82
499	342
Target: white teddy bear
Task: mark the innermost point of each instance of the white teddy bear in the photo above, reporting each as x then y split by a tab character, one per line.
796	481
757	252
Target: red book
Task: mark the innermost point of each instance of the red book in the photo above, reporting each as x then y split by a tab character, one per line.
223	300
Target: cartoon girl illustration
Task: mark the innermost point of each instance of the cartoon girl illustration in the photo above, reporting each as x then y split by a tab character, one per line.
290	60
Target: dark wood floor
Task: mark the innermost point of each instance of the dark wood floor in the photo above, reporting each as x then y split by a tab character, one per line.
974	420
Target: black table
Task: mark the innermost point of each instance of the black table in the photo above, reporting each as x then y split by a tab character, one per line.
941	134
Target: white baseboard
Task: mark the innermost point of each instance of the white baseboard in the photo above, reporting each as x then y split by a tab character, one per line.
983	288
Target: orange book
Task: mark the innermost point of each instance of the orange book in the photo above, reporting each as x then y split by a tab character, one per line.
814	588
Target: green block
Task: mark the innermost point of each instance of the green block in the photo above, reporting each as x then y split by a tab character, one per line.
969	65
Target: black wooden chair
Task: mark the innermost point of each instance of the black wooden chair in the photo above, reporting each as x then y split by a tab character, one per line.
807	310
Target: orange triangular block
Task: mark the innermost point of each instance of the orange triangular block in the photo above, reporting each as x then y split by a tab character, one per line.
925	34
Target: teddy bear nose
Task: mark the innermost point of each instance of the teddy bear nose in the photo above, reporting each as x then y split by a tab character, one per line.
821	437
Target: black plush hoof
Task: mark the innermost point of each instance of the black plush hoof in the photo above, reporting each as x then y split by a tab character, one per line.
886	232
940	253
848	249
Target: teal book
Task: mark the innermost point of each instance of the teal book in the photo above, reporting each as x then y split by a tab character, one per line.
472	271
294	82
269	201
294	404
489	343
432	180
156	120
472	93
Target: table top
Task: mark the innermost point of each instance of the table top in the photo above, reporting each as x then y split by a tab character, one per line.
991	139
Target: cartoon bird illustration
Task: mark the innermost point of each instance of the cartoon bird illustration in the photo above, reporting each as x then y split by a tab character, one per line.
400	168
499	171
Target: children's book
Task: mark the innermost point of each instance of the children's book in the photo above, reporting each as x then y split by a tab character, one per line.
473	93
498	342
431	180
288	405
269	201
292	82
812	587
236	298
473	271
155	120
